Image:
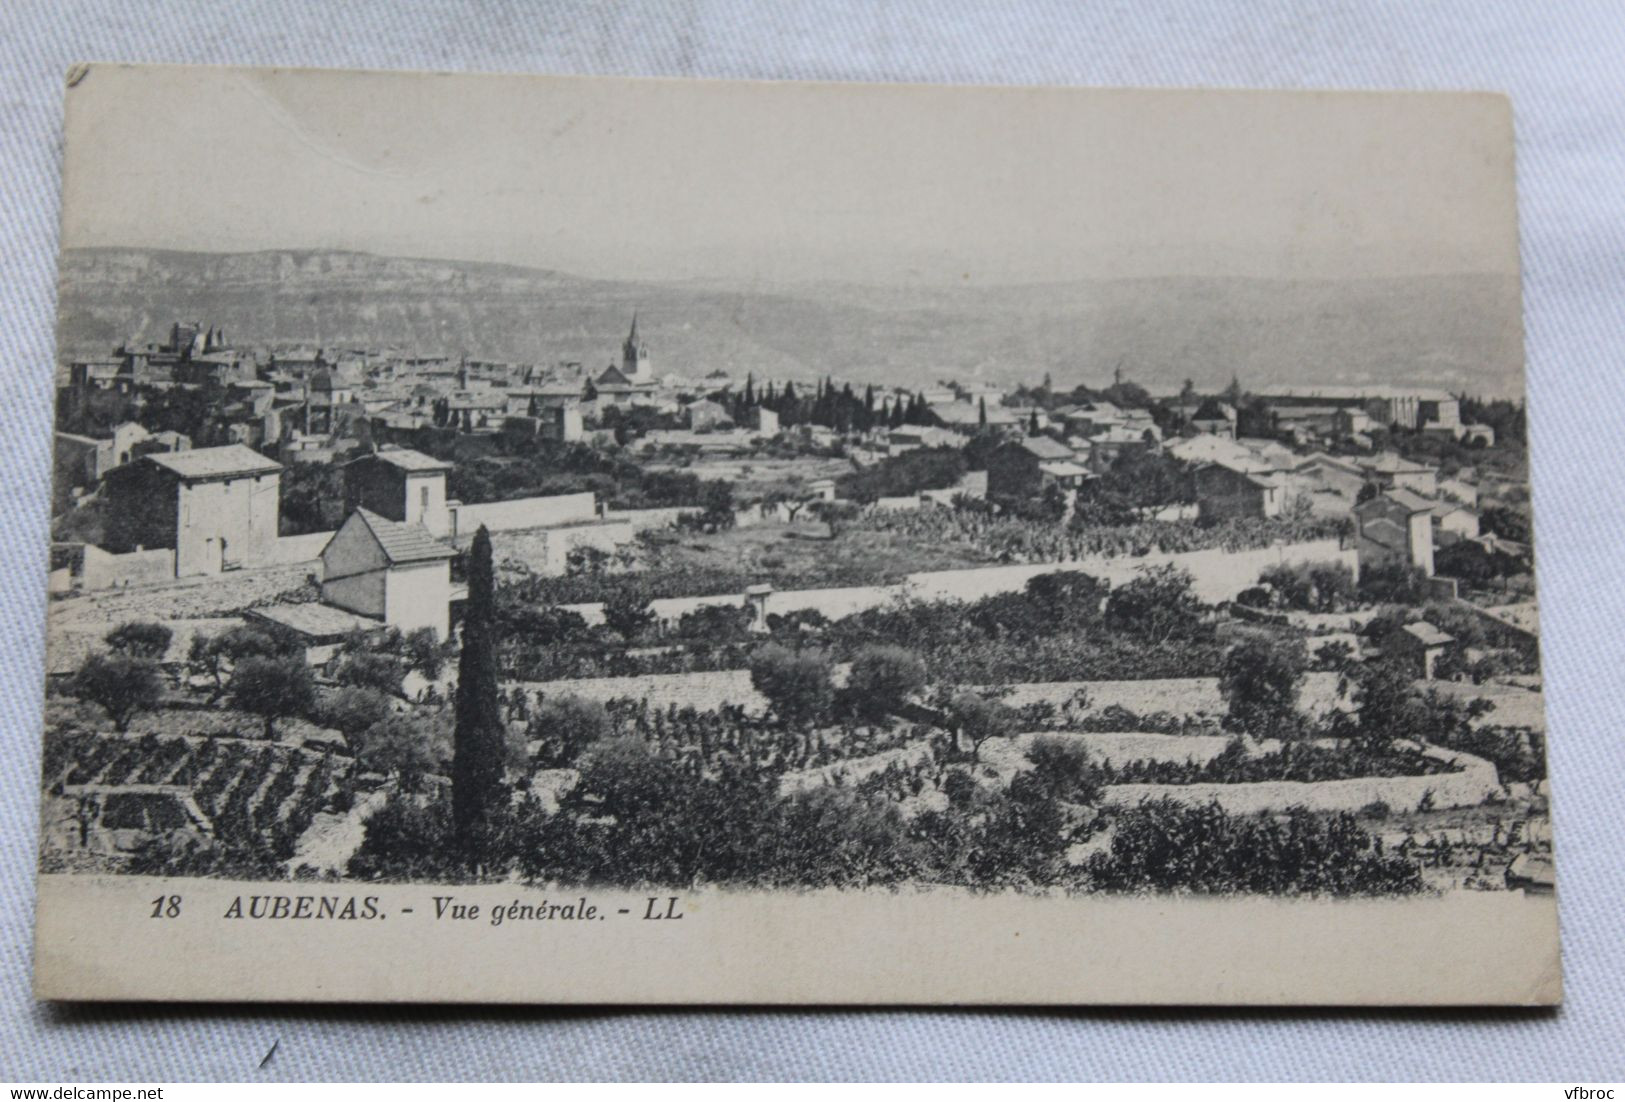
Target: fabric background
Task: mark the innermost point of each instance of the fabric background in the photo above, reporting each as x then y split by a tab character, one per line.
1560	60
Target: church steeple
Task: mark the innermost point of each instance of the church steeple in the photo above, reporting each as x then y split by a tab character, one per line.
635	362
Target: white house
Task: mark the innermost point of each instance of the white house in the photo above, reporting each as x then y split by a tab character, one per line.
388	571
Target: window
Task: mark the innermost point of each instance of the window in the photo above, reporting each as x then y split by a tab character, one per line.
423	499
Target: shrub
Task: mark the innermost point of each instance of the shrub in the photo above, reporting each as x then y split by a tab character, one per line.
568	725
1167	846
423	651
882	678
121	683
408	839
273	688
798	684
1156	606
139	639
627	612
370	670
1394	583
407	748
1061	770
1260	678
352	709
715	624
1310	587
975	719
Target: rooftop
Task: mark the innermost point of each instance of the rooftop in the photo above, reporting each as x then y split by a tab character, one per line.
407	460
404	543
227	461
312	620
1411	502
1428	635
1044	447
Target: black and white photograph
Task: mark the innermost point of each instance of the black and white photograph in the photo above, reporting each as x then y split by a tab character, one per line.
529	502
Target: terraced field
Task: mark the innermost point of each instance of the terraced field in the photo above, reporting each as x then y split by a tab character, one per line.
256	794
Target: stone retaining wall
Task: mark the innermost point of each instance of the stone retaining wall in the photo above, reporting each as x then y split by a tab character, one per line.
1476	781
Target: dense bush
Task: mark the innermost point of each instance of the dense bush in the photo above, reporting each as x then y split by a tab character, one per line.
1166	846
122	684
904	475
1295	762
567	726
882	678
799	685
1310	587
273	688
1260	678
139	639
1518	753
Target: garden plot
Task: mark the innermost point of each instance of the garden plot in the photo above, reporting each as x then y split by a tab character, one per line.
1515	706
1184	697
72	643
1007	757
853	770
702	691
257	793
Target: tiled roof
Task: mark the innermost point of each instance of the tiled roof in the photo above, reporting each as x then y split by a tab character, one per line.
1045	448
407	460
316	621
1412	501
404	543
1428	635
1391	463
222	462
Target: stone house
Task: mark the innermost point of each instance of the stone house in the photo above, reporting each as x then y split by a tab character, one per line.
402	485
1453	521
1394	472
1025	467
1226	488
217	508
1396	527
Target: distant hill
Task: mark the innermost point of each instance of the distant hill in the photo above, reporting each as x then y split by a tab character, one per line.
1457	331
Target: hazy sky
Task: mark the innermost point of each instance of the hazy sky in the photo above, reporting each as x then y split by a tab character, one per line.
791	182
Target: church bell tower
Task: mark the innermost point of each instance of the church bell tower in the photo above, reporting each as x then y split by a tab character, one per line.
635	362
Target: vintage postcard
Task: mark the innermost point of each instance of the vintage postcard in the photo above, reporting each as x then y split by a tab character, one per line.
579	540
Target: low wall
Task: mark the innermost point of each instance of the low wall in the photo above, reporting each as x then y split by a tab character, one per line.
1218	576
292	549
104	570
704	691
642	520
546	551
1476	782
1122	747
530	512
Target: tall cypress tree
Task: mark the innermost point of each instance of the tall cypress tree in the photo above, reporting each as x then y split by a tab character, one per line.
478	746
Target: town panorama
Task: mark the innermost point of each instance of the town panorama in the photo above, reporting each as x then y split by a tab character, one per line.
409	614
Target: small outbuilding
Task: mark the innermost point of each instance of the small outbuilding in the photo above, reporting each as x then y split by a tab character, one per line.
389	571
1425	643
